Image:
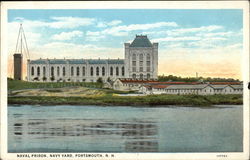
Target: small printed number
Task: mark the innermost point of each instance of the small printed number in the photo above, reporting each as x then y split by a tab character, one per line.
221	155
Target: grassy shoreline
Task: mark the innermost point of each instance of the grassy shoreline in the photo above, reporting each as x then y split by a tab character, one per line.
87	93
151	100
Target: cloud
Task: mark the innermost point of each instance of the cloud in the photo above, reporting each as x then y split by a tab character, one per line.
67	35
106	24
70	22
57	22
89	33
166	39
222	34
115	22
181	31
124	29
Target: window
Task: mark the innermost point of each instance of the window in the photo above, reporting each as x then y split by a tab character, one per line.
134	76
141	63
134	57
123	71
38	71
133	63
64	72
141	57
44	71
134	69
77	71
103	71
83	71
117	71
58	71
148	57
97	71
148	69
91	71
148	76
52	71
32	71
111	71
148	63
141	69
72	71
141	76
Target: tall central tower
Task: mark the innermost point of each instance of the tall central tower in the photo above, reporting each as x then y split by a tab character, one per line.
141	58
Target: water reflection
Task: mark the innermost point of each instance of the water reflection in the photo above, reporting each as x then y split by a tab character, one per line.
137	135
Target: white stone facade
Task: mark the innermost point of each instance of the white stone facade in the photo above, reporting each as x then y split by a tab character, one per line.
140	52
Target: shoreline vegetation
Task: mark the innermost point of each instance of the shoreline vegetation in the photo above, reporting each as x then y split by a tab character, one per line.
83	93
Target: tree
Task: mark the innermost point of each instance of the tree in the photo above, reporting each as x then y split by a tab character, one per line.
108	80
44	78
36	79
99	80
52	78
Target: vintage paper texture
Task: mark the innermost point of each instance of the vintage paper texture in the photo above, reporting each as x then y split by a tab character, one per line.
5	6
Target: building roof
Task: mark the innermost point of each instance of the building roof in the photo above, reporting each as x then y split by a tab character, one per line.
97	61
177	83
115	61
219	86
57	61
159	86
225	83
237	86
77	61
198	86
141	41
124	80
39	61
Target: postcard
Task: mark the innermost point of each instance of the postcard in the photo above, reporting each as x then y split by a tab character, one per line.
125	80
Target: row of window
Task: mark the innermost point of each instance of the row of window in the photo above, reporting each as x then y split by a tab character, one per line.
140	69
140	63
141	76
141	57
98	70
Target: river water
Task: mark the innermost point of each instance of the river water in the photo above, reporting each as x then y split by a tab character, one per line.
124	129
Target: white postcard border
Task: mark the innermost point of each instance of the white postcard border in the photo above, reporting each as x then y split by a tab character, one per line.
130	5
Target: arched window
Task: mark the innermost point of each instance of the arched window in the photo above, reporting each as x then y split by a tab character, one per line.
72	71
134	57
97	71
32	71
111	71
103	71
64	72
91	71
38	71
123	71
148	76
58	71
141	76
83	71
148	57
44	71
117	71
141	57
52	71
134	76
77	71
